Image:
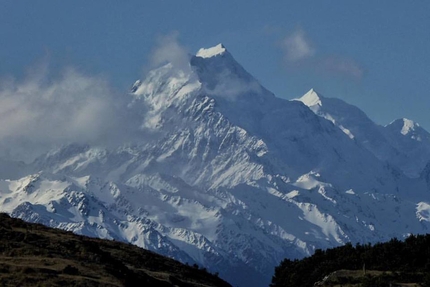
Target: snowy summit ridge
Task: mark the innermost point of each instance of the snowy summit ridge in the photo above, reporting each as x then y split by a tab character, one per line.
211	52
406	125
311	98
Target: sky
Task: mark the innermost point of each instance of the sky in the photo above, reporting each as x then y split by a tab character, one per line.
372	54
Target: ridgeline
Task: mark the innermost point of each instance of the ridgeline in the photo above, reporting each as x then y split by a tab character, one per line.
35	255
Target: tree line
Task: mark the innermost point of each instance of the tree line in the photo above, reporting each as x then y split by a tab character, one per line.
407	261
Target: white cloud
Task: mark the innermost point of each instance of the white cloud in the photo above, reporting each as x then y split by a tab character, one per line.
342	66
169	50
299	52
229	86
40	112
297	47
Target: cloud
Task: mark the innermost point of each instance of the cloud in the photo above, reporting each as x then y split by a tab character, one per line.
297	47
43	111
299	52
341	66
169	50
230	87
40	112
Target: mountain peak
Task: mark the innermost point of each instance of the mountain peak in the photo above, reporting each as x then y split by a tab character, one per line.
311	98
409	129
404	125
212	51
408	125
222	76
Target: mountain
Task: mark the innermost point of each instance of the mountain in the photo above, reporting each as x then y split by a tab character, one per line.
33	254
225	175
413	141
402	143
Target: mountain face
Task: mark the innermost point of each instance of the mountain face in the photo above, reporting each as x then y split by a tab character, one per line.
402	143
230	177
413	141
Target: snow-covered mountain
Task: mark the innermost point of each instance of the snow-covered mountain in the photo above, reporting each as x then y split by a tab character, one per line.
411	140
229	176
402	143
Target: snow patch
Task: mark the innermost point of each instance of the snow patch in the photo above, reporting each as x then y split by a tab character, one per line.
423	211
307	181
408	126
350	191
293	194
310	99
211	52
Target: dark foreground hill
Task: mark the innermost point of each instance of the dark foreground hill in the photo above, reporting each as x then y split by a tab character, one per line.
394	263
34	255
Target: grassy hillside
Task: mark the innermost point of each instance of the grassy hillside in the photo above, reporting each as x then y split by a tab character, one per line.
394	263
34	255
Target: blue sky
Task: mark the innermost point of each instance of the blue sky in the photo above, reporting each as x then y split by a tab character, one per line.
373	54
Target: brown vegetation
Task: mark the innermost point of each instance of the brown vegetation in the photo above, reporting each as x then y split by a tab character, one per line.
34	255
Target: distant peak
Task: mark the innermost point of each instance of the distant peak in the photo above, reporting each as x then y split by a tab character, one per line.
408	126
311	98
211	52
405	125
404	121
409	122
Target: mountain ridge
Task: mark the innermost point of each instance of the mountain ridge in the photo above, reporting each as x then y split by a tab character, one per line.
388	143
33	254
223	174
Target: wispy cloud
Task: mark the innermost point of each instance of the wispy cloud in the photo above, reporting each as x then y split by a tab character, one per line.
341	66
297	47
169	50
42	111
229	86
300	52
